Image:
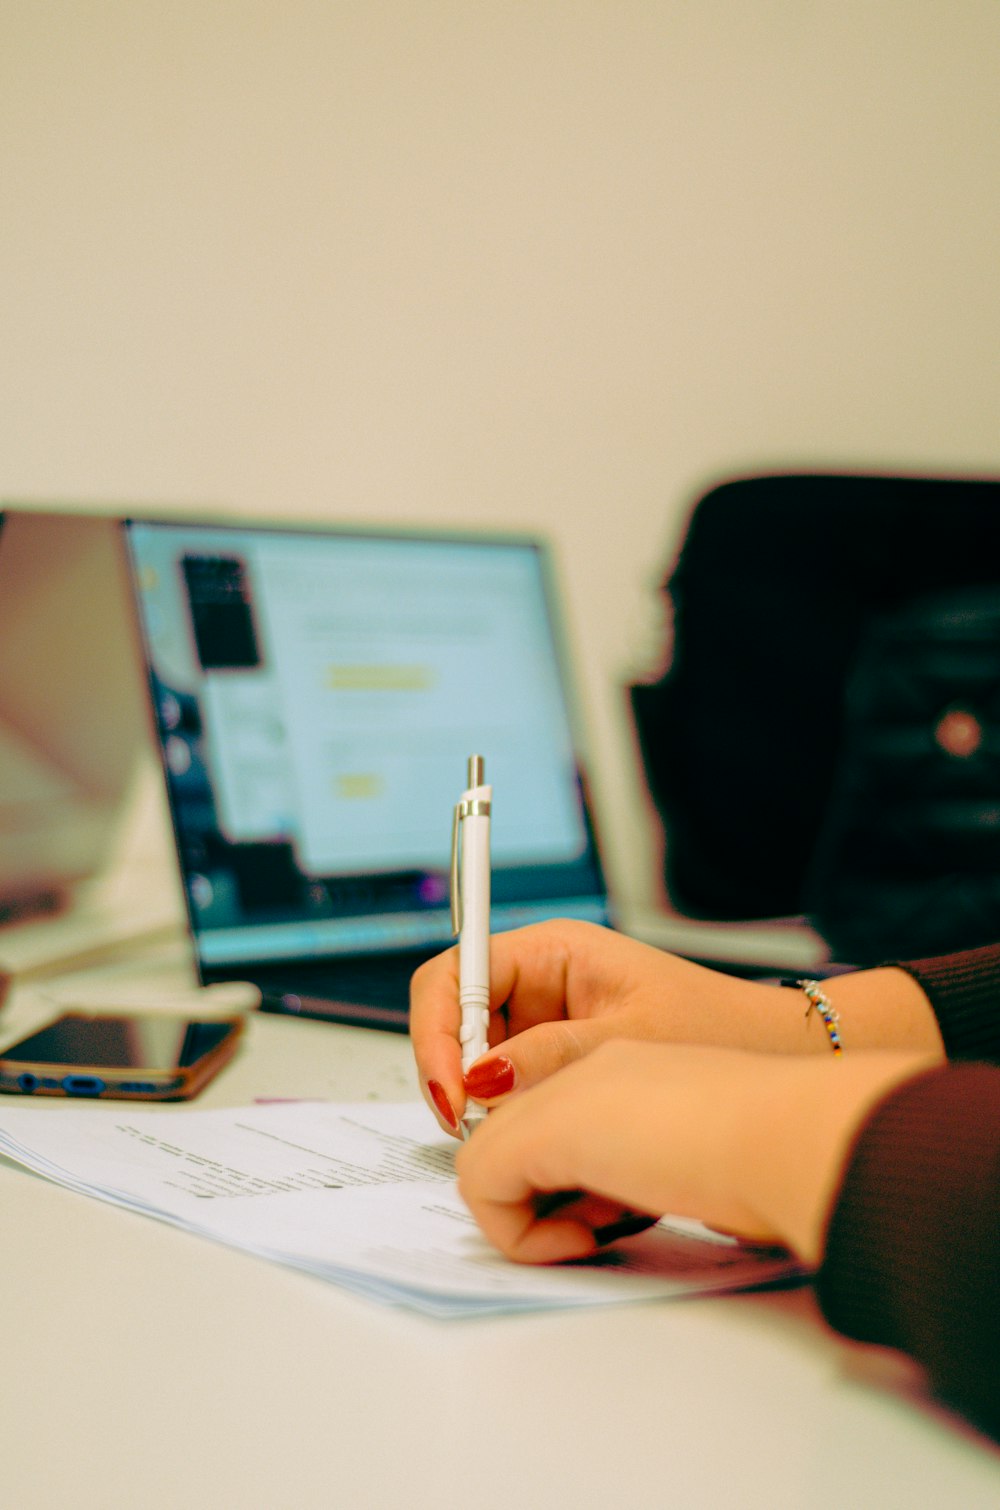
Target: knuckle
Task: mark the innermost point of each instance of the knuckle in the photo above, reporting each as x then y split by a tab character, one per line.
426	972
556	1045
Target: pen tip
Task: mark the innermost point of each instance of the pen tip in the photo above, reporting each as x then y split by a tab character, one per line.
473	1116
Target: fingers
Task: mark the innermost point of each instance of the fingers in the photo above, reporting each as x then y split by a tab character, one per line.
557	990
435	1018
565	988
528	987
564	1238
532	1056
528	1173
607	1221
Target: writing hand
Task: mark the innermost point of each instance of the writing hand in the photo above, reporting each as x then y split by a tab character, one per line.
557	990
560	989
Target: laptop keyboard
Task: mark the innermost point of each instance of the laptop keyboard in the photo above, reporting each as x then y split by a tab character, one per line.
373	989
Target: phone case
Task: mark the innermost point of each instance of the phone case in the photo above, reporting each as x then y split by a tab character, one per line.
111	1083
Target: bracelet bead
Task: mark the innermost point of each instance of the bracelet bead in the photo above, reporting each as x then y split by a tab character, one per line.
820	1003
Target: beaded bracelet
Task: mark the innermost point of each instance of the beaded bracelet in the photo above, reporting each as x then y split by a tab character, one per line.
823	1007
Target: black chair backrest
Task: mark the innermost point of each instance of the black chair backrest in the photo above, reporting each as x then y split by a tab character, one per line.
781	586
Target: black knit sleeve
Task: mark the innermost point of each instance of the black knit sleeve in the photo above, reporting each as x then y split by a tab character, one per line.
913	1248
964	990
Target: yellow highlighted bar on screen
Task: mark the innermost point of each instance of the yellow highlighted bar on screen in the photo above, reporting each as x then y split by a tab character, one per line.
379	678
359	785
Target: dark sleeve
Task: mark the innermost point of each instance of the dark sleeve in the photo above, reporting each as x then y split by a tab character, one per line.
964	990
913	1248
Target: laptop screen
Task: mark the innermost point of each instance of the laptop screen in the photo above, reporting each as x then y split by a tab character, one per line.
317	695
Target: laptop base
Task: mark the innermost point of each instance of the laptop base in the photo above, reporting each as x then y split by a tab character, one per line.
364	990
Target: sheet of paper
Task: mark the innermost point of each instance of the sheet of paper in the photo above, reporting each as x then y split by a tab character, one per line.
362	1195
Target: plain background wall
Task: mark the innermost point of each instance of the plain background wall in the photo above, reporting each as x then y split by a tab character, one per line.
543	265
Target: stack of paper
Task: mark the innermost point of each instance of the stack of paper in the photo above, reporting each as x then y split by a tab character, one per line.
362	1195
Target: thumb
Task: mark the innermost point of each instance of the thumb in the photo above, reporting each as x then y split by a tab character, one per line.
533	1055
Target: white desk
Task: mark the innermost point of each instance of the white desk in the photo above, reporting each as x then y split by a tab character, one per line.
146	1367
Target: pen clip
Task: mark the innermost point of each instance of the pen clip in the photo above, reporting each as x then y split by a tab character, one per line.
456	888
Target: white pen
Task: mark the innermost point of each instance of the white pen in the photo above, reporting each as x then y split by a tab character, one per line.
470	918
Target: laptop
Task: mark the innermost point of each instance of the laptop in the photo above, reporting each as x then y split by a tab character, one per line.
316	696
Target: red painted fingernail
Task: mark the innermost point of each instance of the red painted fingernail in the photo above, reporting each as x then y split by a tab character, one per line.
491	1077
444	1106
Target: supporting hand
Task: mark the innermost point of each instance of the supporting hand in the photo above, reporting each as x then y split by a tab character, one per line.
753	1144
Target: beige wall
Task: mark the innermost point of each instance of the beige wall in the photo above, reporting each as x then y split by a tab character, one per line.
496	262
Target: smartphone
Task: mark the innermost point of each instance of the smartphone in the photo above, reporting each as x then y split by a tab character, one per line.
136	1056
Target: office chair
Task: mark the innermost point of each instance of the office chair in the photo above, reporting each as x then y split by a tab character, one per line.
825	740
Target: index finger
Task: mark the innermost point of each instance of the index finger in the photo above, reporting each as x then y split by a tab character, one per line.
435	1020
435	1012
435	1017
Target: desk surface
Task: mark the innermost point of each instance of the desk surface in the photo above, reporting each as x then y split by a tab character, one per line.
145	1366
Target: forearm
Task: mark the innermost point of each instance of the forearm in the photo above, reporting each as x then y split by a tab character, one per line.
912	1250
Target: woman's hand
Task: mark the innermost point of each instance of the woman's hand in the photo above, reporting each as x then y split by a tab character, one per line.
752	1144
559	989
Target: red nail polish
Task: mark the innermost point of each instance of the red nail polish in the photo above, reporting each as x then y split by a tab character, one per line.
444	1106
489	1078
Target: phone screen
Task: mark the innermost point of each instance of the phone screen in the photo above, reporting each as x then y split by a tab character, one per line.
126	1043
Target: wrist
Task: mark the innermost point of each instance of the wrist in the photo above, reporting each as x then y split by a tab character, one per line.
884	1008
